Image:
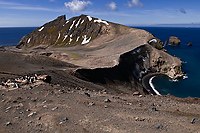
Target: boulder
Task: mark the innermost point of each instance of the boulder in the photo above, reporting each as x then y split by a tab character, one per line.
45	78
136	93
166	42
174	41
107	100
156	43
190	44
159	126
193	119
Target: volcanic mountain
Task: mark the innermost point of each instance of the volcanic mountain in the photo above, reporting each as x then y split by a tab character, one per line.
62	32
104	51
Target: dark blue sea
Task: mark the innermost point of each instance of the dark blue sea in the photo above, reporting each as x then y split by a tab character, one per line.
191	55
181	88
11	36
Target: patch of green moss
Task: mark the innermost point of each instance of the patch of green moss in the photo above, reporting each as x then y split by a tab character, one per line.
73	56
73	43
93	37
59	45
60	40
51	30
67	39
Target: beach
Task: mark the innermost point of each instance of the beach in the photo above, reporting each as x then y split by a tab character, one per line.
148	85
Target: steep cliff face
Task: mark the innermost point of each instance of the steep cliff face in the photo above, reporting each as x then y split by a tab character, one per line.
162	62
132	67
125	76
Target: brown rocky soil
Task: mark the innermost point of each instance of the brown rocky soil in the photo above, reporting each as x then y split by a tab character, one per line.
69	104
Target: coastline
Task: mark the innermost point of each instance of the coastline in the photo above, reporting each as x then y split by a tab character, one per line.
147	83
152	86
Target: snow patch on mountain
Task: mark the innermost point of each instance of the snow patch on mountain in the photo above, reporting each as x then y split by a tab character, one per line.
41	29
90	18
70	40
72	25
78	22
65	37
85	40
29	40
58	37
66	23
101	21
82	21
77	38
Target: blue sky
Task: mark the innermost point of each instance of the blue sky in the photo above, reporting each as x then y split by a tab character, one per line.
34	13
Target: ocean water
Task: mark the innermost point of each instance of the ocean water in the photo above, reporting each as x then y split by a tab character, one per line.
181	88
190	86
11	36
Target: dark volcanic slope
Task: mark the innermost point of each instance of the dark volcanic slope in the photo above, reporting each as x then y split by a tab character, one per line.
62	32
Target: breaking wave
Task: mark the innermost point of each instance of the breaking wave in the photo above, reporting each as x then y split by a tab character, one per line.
173	80
176	80
185	77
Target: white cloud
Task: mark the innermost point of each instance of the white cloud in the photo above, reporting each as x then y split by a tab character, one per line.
112	6
30	8
19	6
77	6
52	0
133	3
9	3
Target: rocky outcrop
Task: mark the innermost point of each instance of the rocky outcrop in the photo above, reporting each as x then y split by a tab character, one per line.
166	42
156	43
162	62
190	44
174	41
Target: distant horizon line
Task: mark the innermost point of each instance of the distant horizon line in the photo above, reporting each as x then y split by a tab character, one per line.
130	25
197	25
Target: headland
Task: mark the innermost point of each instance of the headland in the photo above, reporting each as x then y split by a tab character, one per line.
93	77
